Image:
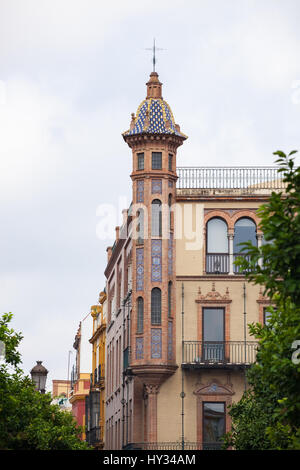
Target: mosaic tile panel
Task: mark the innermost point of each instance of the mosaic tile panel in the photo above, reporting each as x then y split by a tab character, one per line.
156	260
170	340
156	345
140	191
158	120
170	255
140	269
139	348
156	186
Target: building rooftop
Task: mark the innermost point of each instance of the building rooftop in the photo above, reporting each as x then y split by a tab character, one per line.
224	180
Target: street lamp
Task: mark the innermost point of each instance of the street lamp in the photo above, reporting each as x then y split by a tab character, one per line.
39	376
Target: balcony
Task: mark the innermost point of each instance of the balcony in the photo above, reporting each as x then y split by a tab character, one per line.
94	437
218	354
174	446
222	180
220	263
237	269
217	263
97	378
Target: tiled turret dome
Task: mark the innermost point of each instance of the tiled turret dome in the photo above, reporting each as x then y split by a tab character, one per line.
154	115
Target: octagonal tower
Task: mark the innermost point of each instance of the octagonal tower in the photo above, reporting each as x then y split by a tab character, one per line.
154	138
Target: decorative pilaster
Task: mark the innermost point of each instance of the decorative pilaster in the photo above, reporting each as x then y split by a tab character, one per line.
230	238
151	391
259	237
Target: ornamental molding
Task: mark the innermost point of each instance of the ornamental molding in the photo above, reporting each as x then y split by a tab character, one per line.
213	296
151	389
214	387
230	212
263	299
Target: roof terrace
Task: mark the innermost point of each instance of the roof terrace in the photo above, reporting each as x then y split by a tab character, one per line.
220	181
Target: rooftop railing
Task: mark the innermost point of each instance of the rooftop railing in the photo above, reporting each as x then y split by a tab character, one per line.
246	178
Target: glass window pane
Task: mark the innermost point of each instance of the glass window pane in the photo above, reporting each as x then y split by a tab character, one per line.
156	306
140	226
244	231
213	422
140	161
140	318
156	160
217	240
213	324
156	218
267	315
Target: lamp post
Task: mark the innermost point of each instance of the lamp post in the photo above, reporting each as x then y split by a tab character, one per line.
39	376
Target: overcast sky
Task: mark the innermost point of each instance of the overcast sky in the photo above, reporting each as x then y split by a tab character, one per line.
71	72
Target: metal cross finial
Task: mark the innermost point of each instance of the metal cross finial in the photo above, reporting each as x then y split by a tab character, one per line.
154	49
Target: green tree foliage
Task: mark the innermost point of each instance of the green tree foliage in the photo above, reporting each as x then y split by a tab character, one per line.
268	415
28	420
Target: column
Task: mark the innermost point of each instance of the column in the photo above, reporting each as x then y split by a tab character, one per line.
259	237
152	391
230	238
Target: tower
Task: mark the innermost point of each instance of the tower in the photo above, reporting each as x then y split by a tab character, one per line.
153	138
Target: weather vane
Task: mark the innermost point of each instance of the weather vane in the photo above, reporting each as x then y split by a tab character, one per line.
154	49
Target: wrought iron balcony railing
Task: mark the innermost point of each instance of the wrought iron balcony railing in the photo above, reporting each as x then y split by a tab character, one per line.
237	269
225	178
217	263
94	436
209	353
174	446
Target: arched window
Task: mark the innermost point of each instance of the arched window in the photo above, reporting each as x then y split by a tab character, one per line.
170	299
140	315
156	218
140	226
156	306
217	257
217	241
244	231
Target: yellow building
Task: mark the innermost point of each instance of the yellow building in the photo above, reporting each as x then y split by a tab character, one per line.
60	388
81	371
95	401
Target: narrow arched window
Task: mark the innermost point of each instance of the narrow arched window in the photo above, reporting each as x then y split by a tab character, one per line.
140	315
170	299
244	231
217	257
156	306
140	226
156	218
